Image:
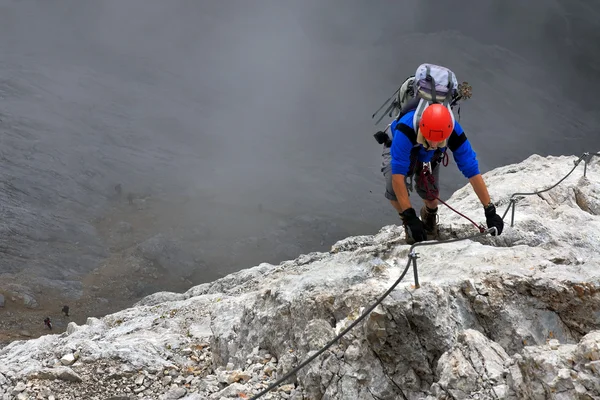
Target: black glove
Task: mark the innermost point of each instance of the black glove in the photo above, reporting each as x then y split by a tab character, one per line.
415	227
383	138
492	219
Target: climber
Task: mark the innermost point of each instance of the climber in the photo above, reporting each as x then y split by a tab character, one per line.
422	130
407	155
48	323
65	310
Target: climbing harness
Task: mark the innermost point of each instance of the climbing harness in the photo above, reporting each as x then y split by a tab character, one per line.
412	259
444	159
427	180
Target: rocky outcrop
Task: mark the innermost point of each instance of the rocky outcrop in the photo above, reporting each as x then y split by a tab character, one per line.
509	317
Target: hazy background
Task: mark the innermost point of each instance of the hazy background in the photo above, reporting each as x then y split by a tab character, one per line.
257	114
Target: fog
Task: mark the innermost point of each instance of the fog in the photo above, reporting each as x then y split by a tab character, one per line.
265	105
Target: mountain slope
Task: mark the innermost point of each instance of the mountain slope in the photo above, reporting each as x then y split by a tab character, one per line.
516	316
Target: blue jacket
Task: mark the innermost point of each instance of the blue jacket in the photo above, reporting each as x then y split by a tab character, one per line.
404	138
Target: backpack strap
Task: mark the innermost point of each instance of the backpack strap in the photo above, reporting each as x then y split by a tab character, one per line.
423	104
431	80
414	152
419	112
448	98
414	156
408	132
451	88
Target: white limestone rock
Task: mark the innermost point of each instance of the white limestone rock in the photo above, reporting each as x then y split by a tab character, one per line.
508	317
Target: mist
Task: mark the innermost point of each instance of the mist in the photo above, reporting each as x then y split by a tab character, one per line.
257	112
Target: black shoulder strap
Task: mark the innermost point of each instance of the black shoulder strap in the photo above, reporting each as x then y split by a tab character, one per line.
408	132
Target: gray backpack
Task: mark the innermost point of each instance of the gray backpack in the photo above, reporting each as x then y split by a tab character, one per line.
430	84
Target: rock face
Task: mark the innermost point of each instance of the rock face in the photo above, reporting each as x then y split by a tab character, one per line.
509	317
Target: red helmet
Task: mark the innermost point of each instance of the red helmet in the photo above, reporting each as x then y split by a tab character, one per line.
436	123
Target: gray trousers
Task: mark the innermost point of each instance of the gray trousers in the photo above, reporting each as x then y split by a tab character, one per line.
386	169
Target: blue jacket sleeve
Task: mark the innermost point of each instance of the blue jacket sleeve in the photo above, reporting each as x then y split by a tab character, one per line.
464	155
400	152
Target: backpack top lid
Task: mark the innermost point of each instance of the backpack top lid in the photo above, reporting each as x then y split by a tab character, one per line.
435	84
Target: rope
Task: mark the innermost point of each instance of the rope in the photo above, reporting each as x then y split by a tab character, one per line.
480	227
427	180
412	259
338	337
585	156
434	243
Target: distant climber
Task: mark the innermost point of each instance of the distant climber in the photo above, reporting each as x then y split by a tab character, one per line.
118	189
421	134
130	198
65	310
48	323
